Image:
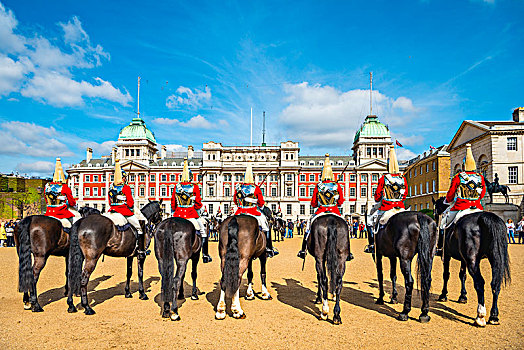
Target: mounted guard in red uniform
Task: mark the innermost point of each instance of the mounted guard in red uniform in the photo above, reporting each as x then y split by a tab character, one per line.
59	199
465	192
327	198
186	203
249	200
389	195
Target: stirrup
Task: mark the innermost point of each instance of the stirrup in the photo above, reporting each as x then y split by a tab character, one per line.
370	248
350	257
439	252
302	254
206	258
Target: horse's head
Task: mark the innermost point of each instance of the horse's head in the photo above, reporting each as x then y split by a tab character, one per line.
269	216
439	206
152	211
86	211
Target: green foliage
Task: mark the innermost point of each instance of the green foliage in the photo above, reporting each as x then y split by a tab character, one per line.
428	212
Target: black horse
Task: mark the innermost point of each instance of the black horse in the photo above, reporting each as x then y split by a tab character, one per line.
328	243
96	235
406	234
176	240
40	236
472	238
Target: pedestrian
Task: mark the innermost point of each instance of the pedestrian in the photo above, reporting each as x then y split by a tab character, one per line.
511	231
355	228
9	231
290	227
3	236
520	230
360	229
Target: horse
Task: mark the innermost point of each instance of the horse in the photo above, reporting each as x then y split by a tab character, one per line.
240	242
494	187
407	233
472	238
279	228
328	243
176	239
96	235
41	236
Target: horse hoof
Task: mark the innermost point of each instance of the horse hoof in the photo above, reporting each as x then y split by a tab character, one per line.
129	295
266	297
379	301
462	299
402	317
194	297
180	297
220	315
318	301
250	297
442	298
323	317
337	320
143	297
494	320
165	314
480	322
72	309
27	306
424	318
174	317
240	316
89	311
37	308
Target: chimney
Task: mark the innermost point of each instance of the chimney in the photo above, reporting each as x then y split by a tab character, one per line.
89	154
163	152
155	157
113	155
518	115
190	152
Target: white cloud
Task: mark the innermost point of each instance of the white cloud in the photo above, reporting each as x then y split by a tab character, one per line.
196	122
21	138
404	153
102	149
175	148
38	167
186	97
323	116
42	68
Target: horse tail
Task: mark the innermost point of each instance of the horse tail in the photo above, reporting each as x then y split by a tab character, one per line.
492	224
424	256
168	267
25	268
76	258
331	252
230	278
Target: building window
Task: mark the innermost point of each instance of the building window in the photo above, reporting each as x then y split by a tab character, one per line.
421	170
421	188
369	151
288	209
302	209
87	192
364	178
427	167
211	191
142	178
374	151
289	191
212	177
274	208
415	171
289	177
311	190
352	177
172	177
434	186
381	152
302	191
95	205
163	192
227	192
410	191
263	190
142	192
152	177
76	192
211	205
226	208
352	208
132	178
363	209
373	190
434	165
273	191
127	153
352	191
311	210
95	178
415	207
95	191
152	191
512	174
86	178
512	143
363	192
302	177
163	177
427	187
374	178
312	177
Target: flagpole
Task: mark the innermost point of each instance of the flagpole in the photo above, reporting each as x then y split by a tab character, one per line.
251	127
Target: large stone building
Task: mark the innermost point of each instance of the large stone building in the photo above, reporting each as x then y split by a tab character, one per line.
287	179
428	177
498	148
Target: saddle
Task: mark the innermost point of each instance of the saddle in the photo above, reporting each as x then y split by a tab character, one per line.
388	214
323	214
118	220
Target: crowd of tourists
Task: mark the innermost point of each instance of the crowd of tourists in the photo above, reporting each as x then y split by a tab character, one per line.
7	229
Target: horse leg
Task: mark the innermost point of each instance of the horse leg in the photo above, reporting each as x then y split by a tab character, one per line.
405	267
221	306
194	274
338	289
393	276
444	294
323	283
265	293
250	294
495	289
380	277
141	258
478	282
39	263
463	299
235	302
129	274
318	300
89	267
178	281
27	304
66	288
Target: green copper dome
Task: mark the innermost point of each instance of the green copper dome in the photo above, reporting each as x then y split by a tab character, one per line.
137	129
372	127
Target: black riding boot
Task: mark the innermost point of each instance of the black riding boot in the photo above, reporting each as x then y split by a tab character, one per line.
370	248
302	253
270	251
440	243
141	243
206	258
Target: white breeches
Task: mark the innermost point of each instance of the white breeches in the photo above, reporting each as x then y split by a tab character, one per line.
133	220
76	214
262	222
199	225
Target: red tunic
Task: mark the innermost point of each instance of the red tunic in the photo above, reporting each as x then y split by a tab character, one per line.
62	212
386	204
461	203
332	209
251	210
187	213
124	209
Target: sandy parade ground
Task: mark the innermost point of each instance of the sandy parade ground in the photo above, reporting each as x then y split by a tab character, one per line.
287	321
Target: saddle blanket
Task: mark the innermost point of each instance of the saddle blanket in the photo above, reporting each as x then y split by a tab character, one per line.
324	214
118	219
388	214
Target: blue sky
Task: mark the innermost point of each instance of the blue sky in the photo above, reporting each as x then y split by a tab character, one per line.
68	72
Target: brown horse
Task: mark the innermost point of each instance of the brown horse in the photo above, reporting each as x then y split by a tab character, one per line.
41	236
240	241
96	235
176	239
